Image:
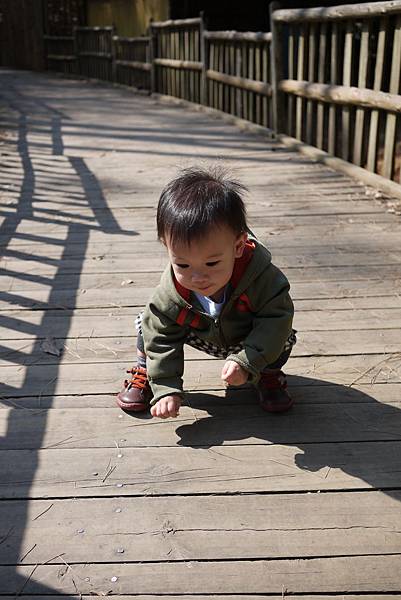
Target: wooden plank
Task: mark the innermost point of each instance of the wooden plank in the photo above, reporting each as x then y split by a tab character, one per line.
320	575
343	95
276	70
311	78
13	283
301	388
53	473
232	597
362	10
119	322
239	36
321	76
291	75
242	83
383	184
175	529
178	64
220	63
43	224
251	75
332	128
101	349
137	295
255	206
362	77
104	259
234	425
385	393
347	69
300	77
374	117
203	374
391	120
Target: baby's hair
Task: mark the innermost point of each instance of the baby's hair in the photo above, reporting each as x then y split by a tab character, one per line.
196	201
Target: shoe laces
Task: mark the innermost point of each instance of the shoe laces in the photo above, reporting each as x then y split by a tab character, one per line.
139	378
273	381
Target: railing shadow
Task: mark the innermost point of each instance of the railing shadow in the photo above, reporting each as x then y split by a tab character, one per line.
21	165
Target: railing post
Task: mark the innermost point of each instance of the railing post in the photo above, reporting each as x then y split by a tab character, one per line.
113	48
152	52
76	50
203	58
277	47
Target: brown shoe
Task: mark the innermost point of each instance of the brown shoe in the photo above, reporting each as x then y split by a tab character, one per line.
136	395
273	395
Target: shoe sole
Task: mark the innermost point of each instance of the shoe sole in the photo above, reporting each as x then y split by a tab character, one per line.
131	407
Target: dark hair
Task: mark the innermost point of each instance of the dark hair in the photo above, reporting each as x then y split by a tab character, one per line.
197	200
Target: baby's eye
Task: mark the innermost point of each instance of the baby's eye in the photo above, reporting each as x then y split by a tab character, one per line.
212	264
182	266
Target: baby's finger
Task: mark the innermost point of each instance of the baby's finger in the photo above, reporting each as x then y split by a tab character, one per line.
172	408
224	370
161	411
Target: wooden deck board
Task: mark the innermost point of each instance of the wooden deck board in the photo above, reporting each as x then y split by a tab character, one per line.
349	574
225	501
196	528
225	425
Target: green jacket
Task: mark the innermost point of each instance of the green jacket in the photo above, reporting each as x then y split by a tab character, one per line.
258	314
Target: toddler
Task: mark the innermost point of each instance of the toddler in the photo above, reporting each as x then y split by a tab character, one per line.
220	293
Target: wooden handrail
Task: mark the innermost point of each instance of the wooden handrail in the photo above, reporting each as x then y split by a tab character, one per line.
59	38
178	64
341	94
176	23
131	40
247	36
260	87
134	64
334	13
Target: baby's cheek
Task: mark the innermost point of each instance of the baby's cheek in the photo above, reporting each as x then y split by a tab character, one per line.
179	277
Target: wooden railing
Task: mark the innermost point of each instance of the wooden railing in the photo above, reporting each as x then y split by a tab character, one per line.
95	52
327	77
177	58
339	86
61	54
132	63
238	74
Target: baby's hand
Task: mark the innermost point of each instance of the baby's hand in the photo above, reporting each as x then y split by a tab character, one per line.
166	407
233	374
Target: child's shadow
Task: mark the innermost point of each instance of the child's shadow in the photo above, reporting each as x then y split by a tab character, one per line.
333	426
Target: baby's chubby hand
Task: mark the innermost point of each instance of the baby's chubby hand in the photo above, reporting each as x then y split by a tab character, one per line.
233	374
166	407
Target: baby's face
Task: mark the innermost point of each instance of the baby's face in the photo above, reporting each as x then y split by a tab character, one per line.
206	265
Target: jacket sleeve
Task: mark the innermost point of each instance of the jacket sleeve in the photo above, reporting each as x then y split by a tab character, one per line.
272	323
164	340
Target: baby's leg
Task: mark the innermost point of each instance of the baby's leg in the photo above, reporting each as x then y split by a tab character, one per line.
272	386
136	393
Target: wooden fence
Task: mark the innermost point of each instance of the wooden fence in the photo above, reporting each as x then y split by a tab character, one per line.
338	87
178	59
328	77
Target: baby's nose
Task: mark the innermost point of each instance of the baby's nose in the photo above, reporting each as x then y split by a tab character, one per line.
198	276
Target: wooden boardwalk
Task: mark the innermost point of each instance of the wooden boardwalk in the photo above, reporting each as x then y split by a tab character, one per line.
223	501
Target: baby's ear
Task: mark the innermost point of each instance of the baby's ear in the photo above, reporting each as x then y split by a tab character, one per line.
240	244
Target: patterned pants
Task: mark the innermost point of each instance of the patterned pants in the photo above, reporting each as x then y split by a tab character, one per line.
218	351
